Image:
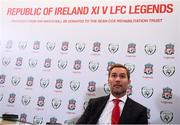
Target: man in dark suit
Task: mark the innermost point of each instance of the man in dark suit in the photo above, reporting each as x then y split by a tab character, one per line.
100	110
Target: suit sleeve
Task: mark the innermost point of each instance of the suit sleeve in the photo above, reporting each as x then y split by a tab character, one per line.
84	119
143	117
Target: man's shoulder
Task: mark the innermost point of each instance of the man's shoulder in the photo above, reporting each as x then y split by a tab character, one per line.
136	104
101	98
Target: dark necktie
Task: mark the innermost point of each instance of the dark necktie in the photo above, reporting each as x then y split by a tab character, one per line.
115	112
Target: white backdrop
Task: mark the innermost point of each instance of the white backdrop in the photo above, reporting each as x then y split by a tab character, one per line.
53	61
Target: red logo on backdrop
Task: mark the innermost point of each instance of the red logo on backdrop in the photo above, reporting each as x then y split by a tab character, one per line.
148	70
47	63
167	93
59	83
77	64
92	86
72	104
23	117
30	81
96	46
169	49
12	98
36	45
131	48
19	61
64	46
110	63
41	101
2	79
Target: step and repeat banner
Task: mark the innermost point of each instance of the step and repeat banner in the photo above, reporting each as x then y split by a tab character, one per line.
55	56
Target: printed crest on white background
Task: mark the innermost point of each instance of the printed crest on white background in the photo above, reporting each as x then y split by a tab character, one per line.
148	113
41	101
150	49
15	80
50	46
37	120
56	103
106	88
72	104
19	61
85	105
2	78
53	120
110	63
30	80
96	46
167	93
65	46
23	117
22	45
130	67
44	82
9	44
77	64
12	98
168	70
147	92
62	64
80	47
47	63
129	90
169	49
131	48
32	62
91	86
113	47
36	45
69	122
74	85
93	66
25	100
59	83
166	116
6	61
148	69
1	96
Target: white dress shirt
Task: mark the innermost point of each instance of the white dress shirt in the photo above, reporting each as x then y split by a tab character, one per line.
105	117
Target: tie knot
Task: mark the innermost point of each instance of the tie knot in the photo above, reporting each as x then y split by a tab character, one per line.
116	101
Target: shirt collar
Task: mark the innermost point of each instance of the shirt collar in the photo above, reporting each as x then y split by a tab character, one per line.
123	99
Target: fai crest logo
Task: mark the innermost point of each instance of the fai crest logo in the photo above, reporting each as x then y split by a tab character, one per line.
130	67
147	92
93	66
72	104
92	86
169	49
167	93
41	101
9	44
96	46
23	117
62	64
59	83
56	103
113	47
2	79
50	46
15	80
106	88
25	100
36	45
129	90
148	70
19	61
77	64
110	63
80	47
74	85
69	122
32	62
6	61
64	46
168	70
12	98
131	48
166	116
1	96
85	105
44	82
47	63
37	120
30	81
22	45
150	49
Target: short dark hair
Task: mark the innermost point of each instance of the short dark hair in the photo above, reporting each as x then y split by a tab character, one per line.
119	66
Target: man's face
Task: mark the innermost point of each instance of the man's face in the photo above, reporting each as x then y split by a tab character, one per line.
118	81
